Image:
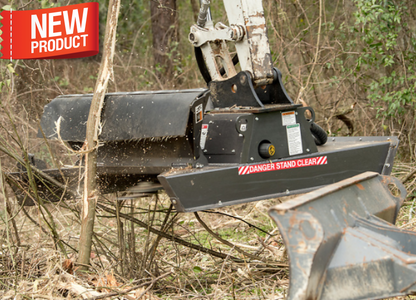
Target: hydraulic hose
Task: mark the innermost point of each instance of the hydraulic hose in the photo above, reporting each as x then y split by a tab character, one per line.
319	135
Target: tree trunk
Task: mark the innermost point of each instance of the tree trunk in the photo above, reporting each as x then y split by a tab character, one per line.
195	9
165	34
93	130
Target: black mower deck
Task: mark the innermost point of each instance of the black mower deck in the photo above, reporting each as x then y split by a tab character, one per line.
223	184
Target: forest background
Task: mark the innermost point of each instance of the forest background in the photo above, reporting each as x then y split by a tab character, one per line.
353	61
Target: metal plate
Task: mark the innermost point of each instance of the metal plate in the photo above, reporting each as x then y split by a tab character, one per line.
125	116
342	244
221	185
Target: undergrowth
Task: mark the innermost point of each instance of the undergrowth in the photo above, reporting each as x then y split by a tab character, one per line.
350	72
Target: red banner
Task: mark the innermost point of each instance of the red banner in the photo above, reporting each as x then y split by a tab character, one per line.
61	32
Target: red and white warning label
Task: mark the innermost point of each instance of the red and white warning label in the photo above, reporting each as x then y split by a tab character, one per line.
204	132
288	118
283	165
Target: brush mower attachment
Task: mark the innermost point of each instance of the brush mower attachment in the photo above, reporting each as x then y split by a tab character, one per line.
205	148
242	139
342	243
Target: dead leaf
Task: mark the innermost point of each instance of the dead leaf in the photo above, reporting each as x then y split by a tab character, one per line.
68	266
112	281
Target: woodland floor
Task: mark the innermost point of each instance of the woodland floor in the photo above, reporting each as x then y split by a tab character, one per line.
129	262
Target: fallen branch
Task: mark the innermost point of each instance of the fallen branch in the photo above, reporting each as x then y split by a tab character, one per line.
408	176
225	242
46	232
188	244
170	237
240	219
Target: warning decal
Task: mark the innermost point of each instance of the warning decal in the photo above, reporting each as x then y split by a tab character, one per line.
283	165
198	113
204	133
294	139
288	118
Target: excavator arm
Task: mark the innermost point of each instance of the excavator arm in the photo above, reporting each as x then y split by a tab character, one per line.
247	30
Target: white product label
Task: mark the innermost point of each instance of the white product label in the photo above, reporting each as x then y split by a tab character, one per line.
294	139
204	133
288	118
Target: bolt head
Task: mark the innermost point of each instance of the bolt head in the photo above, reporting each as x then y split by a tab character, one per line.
243	79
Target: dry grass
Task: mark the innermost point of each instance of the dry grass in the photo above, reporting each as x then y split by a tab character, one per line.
129	261
38	254
33	267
